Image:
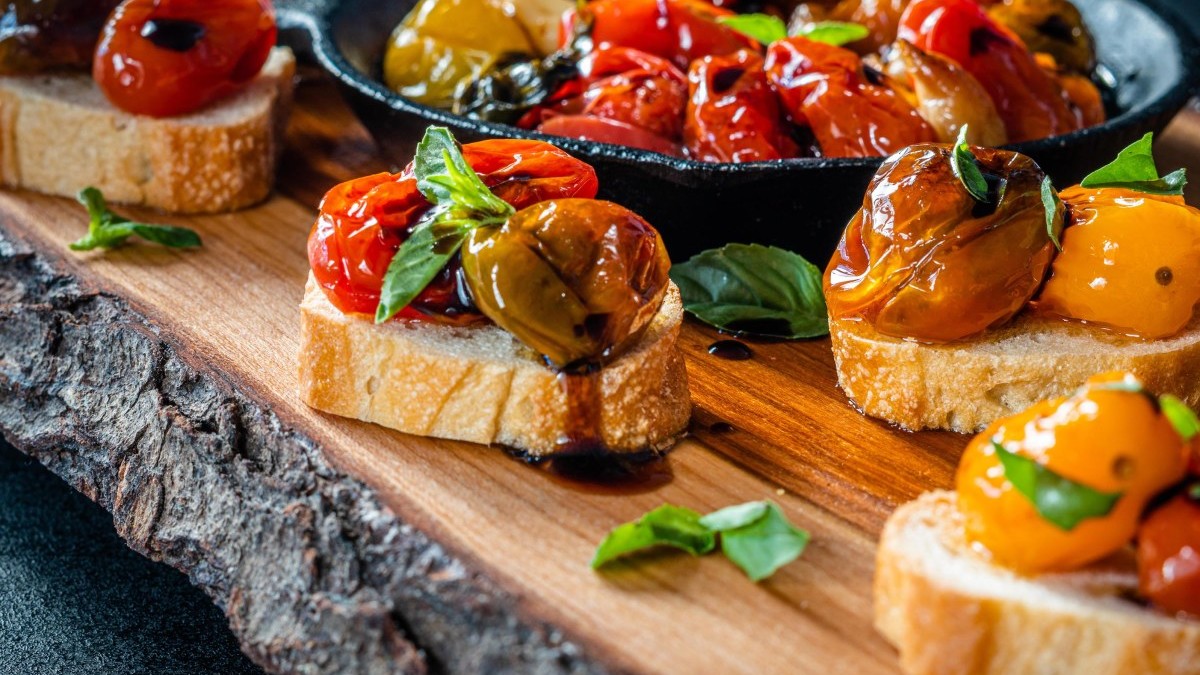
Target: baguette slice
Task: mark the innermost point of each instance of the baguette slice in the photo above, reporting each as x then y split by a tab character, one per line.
950	611
964	386
59	134
480	384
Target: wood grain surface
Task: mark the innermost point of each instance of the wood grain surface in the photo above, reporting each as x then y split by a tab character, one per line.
795	439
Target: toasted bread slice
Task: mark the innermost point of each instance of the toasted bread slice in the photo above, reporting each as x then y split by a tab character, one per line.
59	134
964	386
480	384
950	611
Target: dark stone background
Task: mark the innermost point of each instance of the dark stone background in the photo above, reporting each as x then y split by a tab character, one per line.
74	599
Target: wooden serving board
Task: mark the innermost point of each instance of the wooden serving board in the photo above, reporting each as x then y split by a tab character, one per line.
162	384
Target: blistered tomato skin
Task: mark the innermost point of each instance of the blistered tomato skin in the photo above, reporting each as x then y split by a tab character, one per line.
171	57
577	280
923	260
1168	555
732	114
1109	440
364	221
1128	262
826	88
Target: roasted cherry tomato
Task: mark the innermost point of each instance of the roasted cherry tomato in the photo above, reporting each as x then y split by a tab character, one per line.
172	57
363	222
1052	26
577	280
603	130
678	30
947	96
1030	101
36	35
732	114
1168	554
826	88
1128	262
1106	438
922	259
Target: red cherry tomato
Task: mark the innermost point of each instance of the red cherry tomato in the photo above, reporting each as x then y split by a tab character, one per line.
1168	555
364	221
732	114
173	57
826	88
679	30
1029	100
604	130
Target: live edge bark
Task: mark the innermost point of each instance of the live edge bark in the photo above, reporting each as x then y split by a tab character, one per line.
314	574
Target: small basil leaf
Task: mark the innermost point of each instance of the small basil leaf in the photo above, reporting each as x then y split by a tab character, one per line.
966	168
1053	205
733	517
1061	501
1134	169
835	33
176	237
754	289
665	526
762	27
108	230
764	545
444	177
1180	416
418	260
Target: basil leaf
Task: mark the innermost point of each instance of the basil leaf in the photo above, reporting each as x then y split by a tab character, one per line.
1052	204
665	526
1180	416
966	168
762	27
444	176
733	517
419	259
754	289
108	230
1134	169
1061	501
1194	492
836	33
763	545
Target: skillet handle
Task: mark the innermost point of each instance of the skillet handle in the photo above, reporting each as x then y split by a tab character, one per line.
302	23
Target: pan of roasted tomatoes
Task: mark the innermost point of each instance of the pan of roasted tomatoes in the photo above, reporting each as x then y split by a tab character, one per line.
755	120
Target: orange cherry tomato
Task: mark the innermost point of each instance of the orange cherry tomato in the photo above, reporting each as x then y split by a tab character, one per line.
364	221
732	114
1168	556
678	30
172	57
1030	101
826	88
1128	262
1108	439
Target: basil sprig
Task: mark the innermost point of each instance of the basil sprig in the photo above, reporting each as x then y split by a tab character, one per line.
108	230
1063	502
1134	169
462	203
755	290
766	29
756	536
1054	212
1180	416
966	168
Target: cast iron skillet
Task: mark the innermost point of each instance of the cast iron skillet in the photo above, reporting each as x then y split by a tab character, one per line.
799	204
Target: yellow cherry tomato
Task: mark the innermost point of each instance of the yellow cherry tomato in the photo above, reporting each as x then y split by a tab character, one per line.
1128	262
1105	438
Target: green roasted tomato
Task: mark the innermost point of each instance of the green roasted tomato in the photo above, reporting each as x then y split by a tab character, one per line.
577	280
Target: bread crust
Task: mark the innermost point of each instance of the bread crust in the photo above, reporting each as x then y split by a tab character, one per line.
949	611
480	384
59	134
964	386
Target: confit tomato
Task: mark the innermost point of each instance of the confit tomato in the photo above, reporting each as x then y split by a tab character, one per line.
1168	554
364	221
172	57
826	88
1115	271
1030	101
732	114
1110	436
922	259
